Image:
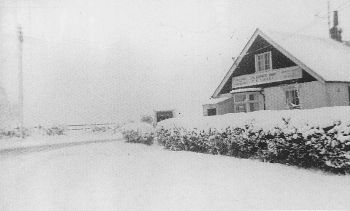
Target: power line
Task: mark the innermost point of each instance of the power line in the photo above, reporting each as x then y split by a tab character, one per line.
339	8
286	36
343	6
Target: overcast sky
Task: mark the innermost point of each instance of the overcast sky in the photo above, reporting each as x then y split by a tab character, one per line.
113	60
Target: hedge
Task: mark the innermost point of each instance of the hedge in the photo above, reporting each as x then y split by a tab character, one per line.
317	148
138	133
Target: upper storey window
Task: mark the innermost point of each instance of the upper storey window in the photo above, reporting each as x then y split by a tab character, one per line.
263	61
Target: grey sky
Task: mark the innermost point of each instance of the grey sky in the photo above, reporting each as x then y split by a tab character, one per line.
108	60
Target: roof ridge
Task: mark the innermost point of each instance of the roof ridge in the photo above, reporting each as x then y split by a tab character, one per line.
288	35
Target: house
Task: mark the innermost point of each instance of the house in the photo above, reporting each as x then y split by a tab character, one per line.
277	71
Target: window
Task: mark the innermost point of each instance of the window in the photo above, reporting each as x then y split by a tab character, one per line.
211	111
263	61
240	98
253	106
240	108
246	102
292	99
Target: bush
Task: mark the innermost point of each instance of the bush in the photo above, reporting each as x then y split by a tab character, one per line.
327	148
11	133
133	136
56	131
138	133
147	119
99	129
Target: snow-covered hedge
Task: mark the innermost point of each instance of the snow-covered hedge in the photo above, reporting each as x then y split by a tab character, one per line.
315	138
140	132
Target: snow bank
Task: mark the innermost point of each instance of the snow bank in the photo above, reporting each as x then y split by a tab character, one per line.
266	119
138	126
44	140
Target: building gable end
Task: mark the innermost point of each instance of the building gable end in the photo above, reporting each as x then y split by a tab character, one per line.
245	62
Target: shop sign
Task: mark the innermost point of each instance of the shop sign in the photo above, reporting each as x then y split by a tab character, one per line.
270	76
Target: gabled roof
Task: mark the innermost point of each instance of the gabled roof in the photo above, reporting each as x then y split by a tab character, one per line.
323	58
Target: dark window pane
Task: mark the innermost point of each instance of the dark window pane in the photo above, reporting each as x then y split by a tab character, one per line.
211	112
254	106
252	97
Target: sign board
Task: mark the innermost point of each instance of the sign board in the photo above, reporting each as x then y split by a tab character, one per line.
268	76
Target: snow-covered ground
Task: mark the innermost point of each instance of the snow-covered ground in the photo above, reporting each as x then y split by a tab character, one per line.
40	140
121	176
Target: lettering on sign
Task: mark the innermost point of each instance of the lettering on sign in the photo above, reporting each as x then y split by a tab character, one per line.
270	76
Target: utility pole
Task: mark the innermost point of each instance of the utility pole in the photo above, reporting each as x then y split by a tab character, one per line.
20	80
329	18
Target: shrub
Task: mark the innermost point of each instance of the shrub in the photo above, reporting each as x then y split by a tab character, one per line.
138	133
99	129
147	119
15	132
56	131
133	136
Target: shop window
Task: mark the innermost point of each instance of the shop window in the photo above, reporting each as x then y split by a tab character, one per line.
241	108
253	106
211	111
246	102
240	98
263	61
292	99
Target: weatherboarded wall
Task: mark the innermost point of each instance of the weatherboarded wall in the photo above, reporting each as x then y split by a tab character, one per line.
338	94
226	107
275	98
208	106
221	108
313	94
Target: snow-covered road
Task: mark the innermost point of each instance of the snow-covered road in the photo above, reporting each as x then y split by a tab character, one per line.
120	176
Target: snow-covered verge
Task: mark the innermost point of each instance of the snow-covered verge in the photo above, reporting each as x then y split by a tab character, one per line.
41	138
119	176
315	138
138	132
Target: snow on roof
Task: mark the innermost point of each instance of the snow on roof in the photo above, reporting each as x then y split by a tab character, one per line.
246	90
326	57
216	100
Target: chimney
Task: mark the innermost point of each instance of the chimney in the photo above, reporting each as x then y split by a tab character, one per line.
335	32
335	18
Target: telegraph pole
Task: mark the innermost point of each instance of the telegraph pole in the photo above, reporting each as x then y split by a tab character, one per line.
328	16
20	80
